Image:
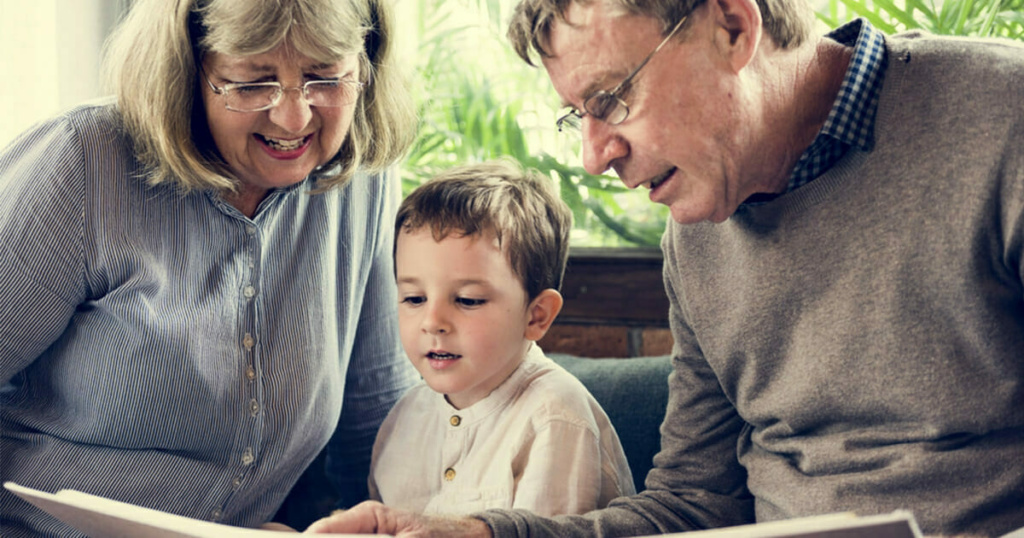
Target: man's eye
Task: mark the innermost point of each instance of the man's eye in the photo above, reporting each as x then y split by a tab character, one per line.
414	300
465	301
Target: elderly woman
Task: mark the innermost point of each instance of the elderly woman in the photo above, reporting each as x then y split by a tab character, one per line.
196	285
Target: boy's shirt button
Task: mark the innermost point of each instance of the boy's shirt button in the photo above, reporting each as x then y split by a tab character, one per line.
449	474
455	420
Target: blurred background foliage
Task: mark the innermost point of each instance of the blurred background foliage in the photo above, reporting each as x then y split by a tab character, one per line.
477	100
975	18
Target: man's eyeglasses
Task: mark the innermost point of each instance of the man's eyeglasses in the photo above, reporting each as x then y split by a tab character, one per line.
609	106
257	96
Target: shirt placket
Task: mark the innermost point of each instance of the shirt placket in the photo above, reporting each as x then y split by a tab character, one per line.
250	403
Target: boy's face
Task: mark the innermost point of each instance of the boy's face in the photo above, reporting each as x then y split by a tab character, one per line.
462	312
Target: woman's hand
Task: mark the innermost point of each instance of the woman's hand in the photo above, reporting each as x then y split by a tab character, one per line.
374	518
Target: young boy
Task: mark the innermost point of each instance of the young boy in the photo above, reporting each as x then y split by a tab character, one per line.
479	256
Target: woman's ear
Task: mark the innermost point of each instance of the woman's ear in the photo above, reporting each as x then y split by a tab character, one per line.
738	30
542	313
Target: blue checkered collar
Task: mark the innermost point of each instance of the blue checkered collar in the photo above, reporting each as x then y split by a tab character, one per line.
852	118
851	121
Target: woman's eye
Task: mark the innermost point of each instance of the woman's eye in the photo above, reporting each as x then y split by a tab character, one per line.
465	301
325	82
253	89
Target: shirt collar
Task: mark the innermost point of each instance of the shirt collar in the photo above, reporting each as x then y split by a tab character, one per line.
852	118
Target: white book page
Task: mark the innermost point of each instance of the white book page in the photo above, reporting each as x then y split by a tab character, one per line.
100	517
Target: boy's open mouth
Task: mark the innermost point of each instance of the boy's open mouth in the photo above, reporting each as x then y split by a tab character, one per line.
442	356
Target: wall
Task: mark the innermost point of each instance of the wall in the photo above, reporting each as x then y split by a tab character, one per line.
615	305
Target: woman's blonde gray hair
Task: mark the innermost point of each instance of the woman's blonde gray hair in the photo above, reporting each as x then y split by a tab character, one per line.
152	65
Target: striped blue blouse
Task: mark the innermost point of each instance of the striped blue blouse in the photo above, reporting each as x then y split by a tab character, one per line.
165	350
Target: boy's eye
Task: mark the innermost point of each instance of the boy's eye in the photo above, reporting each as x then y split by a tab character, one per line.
466	301
414	300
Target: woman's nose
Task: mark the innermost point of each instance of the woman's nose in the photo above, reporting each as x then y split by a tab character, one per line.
293	112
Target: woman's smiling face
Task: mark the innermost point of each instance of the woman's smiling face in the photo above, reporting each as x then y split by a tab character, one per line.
278	147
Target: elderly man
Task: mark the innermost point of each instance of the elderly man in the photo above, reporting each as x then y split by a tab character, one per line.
844	266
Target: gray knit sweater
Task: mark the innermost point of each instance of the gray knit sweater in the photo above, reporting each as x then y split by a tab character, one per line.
857	344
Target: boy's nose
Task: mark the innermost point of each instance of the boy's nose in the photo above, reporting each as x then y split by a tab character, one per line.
435	323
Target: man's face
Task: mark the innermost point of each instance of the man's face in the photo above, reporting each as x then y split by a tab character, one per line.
685	137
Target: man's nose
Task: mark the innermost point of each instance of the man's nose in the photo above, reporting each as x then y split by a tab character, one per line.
601	146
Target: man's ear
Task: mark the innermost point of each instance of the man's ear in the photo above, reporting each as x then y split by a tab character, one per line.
737	30
542	312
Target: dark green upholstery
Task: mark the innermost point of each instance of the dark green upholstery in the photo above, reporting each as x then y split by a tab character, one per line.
634	394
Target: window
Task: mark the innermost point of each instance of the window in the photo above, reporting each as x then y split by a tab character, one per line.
478	100
51	57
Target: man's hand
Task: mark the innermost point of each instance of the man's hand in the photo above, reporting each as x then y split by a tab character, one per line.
374	518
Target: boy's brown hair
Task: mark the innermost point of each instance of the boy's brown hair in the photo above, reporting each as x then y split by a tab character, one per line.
519	206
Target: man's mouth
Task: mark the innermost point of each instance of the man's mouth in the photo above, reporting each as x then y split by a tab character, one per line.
279	144
653	183
443	356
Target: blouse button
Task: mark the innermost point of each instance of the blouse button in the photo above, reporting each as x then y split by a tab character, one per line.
455	420
254	407
449	474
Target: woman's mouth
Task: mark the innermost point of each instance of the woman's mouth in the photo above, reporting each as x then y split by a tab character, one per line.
284	148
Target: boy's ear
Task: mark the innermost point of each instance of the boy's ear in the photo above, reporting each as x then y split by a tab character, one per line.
542	312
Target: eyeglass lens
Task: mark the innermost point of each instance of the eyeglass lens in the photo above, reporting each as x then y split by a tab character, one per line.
319	93
603	106
607	106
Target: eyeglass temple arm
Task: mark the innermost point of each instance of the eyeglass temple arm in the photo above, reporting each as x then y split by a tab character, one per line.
626	81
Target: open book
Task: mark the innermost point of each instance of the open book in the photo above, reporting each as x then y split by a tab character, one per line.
898	524
100	517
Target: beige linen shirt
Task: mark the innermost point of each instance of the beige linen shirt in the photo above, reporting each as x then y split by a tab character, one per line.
539	441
